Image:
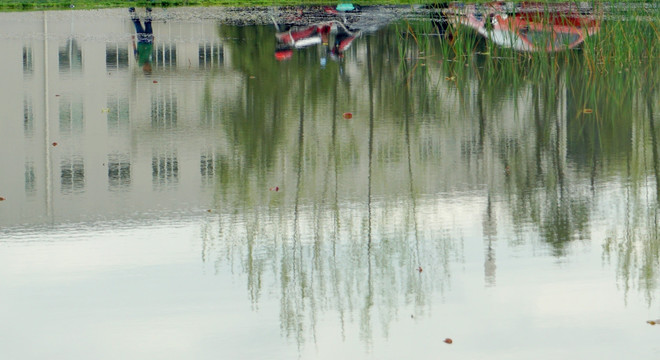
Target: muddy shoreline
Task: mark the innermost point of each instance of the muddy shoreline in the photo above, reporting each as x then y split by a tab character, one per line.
287	15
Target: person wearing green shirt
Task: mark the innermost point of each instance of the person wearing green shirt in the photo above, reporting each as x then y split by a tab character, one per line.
145	40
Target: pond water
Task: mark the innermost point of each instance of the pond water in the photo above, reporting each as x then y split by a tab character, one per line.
354	185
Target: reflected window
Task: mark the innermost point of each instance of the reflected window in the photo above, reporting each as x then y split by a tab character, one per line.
27	60
119	171
72	175
71	115
118	119
165	169
70	56
209	113
30	183
565	39
164	111
116	56
210	55
28	116
207	167
164	55
540	39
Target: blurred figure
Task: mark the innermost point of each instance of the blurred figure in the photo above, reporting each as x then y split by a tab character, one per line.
343	40
315	34
145	40
283	53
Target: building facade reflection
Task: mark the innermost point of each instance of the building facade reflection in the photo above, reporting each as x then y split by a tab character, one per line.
88	121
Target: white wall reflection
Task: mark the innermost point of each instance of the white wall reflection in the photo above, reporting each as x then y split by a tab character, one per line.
84	106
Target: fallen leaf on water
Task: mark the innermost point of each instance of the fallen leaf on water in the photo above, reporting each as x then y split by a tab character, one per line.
275	188
450	78
105	110
54	144
209	210
653	322
252	77
348	115
2	199
449	341
587	111
420	269
155	82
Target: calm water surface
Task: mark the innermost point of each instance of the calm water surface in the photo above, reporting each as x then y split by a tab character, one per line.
253	196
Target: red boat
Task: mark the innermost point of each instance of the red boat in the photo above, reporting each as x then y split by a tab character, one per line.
529	26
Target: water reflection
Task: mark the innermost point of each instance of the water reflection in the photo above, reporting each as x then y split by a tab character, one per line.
118	111
207	163
320	33
489	230
530	27
145	39
119	171
210	55
27	60
28	116
116	56
455	148
70	56
72	175
30	178
71	114
164	169
164	114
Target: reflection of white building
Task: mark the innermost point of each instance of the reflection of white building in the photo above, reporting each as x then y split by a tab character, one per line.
128	142
71	78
